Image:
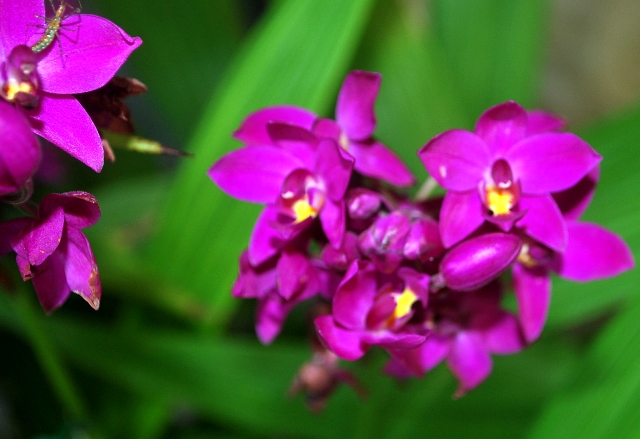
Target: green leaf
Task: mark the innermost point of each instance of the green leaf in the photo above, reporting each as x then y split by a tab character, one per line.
494	47
604	401
297	56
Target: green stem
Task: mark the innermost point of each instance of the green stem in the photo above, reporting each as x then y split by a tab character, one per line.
47	356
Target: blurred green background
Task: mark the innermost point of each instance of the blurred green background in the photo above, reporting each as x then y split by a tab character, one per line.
171	355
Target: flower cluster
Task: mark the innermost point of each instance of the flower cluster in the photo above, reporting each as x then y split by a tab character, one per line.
420	278
43	64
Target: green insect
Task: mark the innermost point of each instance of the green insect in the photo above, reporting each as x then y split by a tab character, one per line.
52	27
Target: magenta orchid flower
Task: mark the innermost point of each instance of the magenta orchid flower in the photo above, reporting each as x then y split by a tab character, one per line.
505	172
372	309
52	251
86	52
301	178
466	328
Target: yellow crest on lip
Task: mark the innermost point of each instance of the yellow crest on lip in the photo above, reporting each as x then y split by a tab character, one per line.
499	201
303	210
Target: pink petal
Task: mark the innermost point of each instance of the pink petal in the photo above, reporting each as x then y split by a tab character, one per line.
86	54
80	268
80	208
460	215
533	294
456	159
334	166
37	242
575	200
541	122
551	162
17	19
50	283
374	159
265	241
62	121
469	361
592	252
543	221
344	343
502	126
333	221
254	173
253	129
354	296
354	111
504	336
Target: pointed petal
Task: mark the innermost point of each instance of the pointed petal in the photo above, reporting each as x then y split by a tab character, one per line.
460	215
89	52
17	20
469	361
456	159
334	167
575	200
39	241
504	336
81	269
344	343
551	162
293	273
502	126
592	252
253	129
297	141
354	296
253	173
50	283
354	111
533	295
333	221
62	121
265	241
374	159
543	221
270	315
9	230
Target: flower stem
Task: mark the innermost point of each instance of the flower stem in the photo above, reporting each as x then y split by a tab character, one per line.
47	356
425	190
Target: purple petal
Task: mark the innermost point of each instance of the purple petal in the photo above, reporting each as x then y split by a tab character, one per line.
253	130
456	159
327	128
504	336
81	269
39	241
473	263
92	48
16	19
469	361
592	252
543	221
62	121
253	173
424	357
354	111
393	340
80	208
541	122
293	272
270	315
298	141
20	152
533	294
374	159
460	215
551	162
265	241
334	167
344	343
502	126
253	282
354	296
333	221
50	283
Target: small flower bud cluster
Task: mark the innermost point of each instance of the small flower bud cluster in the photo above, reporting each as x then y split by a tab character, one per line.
40	72
420	278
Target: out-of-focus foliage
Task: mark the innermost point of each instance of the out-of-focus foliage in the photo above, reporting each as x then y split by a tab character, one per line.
171	355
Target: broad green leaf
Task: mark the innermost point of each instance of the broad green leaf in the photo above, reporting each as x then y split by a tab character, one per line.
604	401
494	47
615	208
297	55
